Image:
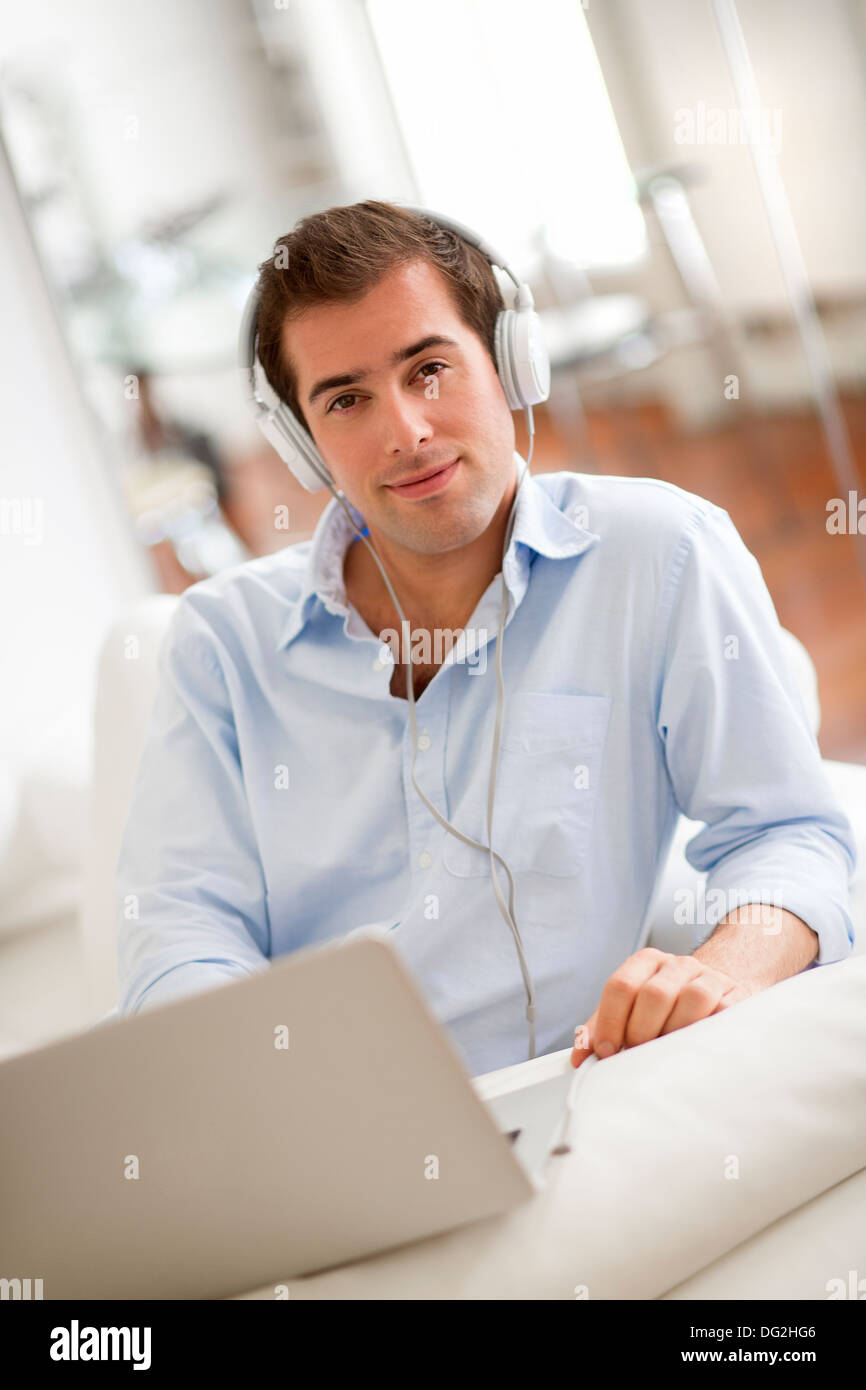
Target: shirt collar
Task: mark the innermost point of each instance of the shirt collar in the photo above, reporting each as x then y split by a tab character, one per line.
539	524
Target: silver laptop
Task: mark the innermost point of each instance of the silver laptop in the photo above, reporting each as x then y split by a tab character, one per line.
310	1115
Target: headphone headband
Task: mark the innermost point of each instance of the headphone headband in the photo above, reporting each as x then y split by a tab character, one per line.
450	224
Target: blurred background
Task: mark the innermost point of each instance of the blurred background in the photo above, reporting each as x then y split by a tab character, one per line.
681	182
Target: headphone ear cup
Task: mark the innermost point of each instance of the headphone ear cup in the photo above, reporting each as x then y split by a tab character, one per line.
521	357
296	448
502	350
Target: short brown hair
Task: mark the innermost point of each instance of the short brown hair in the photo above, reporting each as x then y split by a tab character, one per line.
342	253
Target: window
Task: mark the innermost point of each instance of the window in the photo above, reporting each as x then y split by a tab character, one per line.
508	127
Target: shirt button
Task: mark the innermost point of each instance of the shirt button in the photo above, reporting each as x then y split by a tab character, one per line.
385	658
426	859
423	742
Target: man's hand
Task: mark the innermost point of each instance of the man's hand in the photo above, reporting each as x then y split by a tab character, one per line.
650	994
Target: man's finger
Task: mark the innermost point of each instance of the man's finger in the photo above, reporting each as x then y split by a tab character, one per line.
698	999
583	1041
732	996
658	999
618	997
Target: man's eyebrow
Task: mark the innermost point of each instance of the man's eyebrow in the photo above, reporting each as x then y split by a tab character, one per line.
329	383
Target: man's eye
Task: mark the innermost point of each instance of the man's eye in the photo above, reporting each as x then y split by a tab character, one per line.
426	371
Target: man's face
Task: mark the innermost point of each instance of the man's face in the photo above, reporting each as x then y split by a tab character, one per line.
386	400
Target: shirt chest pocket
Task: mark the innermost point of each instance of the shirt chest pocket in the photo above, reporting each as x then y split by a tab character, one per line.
546	788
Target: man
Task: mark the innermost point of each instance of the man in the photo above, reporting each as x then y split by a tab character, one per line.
644	673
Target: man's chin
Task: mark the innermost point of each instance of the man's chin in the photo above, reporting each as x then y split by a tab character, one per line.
443	522
429	539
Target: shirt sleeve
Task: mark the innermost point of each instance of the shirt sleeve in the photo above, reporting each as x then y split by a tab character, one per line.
739	748
190	892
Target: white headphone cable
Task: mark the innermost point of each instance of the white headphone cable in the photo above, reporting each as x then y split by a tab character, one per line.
507	911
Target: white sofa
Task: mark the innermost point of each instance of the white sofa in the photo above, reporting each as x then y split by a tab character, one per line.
656	1126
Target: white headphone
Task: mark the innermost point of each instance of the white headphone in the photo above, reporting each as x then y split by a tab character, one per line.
523	366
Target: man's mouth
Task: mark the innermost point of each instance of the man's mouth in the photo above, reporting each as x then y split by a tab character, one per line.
429	481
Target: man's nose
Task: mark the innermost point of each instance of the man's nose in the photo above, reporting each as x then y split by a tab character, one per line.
406	421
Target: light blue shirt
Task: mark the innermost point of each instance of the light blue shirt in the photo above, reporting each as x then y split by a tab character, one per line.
645	675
